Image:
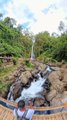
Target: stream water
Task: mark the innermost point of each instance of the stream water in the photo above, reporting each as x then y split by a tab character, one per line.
32	52
34	90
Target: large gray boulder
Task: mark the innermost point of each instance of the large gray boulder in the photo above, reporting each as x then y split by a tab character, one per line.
25	77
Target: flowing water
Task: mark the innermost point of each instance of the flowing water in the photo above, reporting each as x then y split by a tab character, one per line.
32	52
34	89
10	94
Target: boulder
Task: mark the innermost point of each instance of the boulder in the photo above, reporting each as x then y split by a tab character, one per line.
65	76
59	99
17	90
64	97
25	77
58	89
55	78
40	66
51	95
56	68
39	102
34	73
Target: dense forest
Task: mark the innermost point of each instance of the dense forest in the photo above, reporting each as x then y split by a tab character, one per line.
12	41
14	44
52	47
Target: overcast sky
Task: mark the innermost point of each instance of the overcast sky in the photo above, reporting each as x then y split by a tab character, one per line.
36	15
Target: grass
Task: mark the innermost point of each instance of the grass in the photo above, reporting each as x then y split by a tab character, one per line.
5	72
3	87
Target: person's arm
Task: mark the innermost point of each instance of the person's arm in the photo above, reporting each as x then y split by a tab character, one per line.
14	112
30	104
30	114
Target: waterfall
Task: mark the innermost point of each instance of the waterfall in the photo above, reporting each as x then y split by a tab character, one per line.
48	69
32	52
34	90
10	94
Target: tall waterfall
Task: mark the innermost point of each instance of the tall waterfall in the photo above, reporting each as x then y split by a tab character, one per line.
32	52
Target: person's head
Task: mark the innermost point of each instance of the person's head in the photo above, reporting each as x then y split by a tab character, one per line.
21	104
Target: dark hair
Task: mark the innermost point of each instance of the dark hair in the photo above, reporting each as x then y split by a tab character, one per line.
21	104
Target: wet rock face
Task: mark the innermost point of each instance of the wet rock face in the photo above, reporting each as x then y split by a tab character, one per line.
47	85
58	89
17	90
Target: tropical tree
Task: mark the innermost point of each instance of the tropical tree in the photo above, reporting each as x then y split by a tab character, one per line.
1	16
10	22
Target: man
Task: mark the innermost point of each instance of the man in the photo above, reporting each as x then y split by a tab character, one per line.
22	109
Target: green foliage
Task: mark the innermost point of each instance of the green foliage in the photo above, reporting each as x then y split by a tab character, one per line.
14	60
0	62
29	64
3	86
42	43
12	41
51	48
9	22
60	48
4	79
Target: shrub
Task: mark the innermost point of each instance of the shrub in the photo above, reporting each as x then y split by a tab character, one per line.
14	60
0	62
29	64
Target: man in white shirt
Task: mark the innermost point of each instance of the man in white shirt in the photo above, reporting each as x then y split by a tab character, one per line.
21	110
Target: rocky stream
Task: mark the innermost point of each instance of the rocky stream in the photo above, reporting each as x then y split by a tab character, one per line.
45	85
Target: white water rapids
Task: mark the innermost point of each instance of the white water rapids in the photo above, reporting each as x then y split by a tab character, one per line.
33	90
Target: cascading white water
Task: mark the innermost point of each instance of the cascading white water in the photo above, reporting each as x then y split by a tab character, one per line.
10	94
32	52
33	90
48	69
